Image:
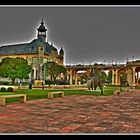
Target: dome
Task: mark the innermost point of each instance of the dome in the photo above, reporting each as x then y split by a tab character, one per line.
42	27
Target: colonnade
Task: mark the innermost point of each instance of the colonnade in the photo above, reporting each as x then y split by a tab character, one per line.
37	72
131	76
72	75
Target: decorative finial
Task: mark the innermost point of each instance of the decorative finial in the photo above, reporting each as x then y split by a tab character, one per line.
42	22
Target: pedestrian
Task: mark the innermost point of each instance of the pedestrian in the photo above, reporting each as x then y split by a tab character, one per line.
42	86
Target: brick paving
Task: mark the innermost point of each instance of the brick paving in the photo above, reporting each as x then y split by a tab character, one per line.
74	114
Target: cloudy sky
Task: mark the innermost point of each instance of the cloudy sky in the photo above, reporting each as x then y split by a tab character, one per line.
87	34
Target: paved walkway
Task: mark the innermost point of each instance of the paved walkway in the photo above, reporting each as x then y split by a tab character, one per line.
74	114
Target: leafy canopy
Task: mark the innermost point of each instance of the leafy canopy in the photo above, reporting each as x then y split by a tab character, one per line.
14	68
53	69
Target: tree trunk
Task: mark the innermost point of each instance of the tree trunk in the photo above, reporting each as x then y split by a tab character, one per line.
54	78
51	78
13	81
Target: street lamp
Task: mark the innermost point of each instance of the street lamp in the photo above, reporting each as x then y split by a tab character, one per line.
104	62
90	62
83	62
112	61
76	62
132	58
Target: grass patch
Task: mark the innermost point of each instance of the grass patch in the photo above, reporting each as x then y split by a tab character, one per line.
41	94
7	93
137	87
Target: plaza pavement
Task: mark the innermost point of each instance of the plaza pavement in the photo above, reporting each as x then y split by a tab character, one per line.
73	114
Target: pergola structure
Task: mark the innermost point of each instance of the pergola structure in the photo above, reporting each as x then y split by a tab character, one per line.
131	69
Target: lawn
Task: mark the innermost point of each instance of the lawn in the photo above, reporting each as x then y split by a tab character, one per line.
33	94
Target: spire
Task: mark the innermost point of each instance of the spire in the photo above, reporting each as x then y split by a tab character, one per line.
42	31
42	27
61	51
42	22
61	48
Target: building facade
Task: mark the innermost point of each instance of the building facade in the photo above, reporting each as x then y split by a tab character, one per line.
37	52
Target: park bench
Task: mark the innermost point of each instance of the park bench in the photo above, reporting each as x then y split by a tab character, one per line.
50	94
22	98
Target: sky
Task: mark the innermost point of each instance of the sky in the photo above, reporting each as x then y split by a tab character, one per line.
87	34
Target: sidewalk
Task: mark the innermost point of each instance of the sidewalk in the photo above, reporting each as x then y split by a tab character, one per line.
74	114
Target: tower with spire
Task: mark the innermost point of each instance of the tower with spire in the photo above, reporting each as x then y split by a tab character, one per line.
37	52
61	56
42	32
61	53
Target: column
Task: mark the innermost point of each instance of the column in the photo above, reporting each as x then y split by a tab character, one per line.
129	76
34	72
113	77
116	77
133	84
38	71
137	77
70	77
76	78
67	75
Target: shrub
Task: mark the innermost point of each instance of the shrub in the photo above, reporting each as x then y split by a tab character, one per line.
4	83
1	82
49	82
61	82
9	89
3	89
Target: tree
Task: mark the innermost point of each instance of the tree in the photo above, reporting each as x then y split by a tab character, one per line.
100	74
14	68
97	73
54	70
103	77
84	77
109	77
123	78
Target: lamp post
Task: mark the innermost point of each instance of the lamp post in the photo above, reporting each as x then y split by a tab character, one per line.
132	58
76	62
104	62
90	62
112	61
116	62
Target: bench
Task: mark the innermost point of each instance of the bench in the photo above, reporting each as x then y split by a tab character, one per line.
50	94
22	98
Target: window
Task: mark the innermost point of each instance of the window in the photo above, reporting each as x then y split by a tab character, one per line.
41	49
